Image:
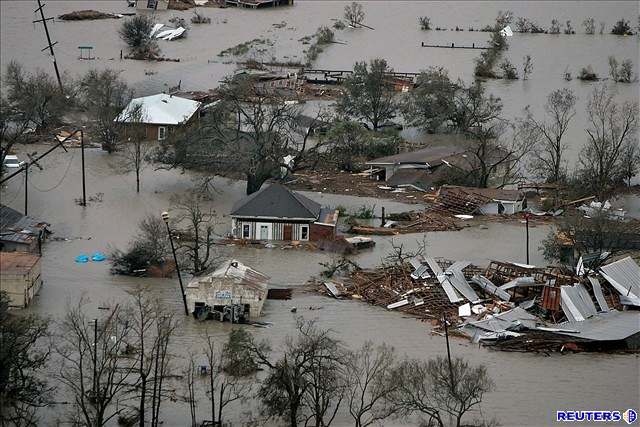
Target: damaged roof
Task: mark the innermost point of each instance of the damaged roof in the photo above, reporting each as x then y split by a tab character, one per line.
15	227
236	272
490	193
276	202
610	326
428	156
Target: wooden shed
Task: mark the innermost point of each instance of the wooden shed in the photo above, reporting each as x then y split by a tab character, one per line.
20	277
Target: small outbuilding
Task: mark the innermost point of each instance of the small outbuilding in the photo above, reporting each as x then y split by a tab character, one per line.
277	213
152	4
160	114
234	292
19	232
20	277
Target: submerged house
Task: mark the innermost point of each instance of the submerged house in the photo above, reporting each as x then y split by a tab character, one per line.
441	157
19	232
233	292
20	277
160	114
497	201
277	213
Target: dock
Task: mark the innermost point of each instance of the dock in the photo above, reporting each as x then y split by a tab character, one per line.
453	46
255	4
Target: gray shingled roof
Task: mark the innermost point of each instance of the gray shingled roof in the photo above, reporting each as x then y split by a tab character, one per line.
277	201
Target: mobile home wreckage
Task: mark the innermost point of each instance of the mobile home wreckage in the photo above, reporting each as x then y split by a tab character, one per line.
510	306
160	114
234	292
277	213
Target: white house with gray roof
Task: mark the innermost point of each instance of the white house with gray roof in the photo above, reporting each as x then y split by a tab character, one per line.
277	213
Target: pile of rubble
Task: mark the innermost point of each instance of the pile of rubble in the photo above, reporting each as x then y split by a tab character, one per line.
511	306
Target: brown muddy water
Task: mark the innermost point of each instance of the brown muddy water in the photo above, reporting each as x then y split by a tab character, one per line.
529	388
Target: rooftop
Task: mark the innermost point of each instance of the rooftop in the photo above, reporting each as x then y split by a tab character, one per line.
235	272
15	227
17	262
276	201
430	156
161	109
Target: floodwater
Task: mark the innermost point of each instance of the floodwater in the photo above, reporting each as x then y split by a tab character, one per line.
529	388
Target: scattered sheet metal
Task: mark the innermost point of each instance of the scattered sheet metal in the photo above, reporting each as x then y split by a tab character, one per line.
421	269
490	288
597	290
444	280
519	281
576	303
457	279
527	304
464	310
333	290
500	325
398	304
624	276
610	326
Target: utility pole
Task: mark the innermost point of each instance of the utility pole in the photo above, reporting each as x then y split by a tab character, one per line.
165	218
526	219
95	356
26	188
50	45
84	191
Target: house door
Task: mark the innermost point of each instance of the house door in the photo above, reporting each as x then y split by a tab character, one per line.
286	232
264	232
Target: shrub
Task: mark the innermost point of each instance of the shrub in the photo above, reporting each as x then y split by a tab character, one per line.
425	23
324	35
339	25
587	74
622	28
364	212
509	72
199	18
136	34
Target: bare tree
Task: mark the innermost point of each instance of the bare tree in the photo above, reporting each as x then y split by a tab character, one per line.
285	390
415	391
368	94
459	387
555	27
152	329
105	95
196	224
248	133
354	14
630	162
611	128
14	128
93	367
224	387
527	67
36	95
370	384
548	153
189	375
589	25
135	149
24	352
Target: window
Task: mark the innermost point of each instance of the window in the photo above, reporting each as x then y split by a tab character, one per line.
162	133
304	232
246	231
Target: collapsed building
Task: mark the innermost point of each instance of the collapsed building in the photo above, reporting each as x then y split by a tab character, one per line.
510	306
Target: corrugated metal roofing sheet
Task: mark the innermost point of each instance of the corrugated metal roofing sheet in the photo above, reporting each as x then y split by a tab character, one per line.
486	284
624	275
611	326
444	281
597	291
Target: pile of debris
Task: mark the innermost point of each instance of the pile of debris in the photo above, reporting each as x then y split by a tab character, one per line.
410	222
82	15
511	306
